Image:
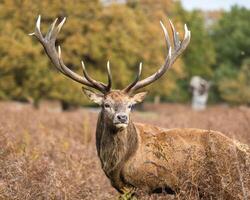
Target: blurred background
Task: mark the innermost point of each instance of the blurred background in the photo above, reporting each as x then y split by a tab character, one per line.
126	33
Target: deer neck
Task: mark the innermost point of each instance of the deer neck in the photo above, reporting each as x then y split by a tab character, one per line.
114	146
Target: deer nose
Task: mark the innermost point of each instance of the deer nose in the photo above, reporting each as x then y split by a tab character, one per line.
122	118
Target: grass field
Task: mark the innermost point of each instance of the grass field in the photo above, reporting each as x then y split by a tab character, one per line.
49	154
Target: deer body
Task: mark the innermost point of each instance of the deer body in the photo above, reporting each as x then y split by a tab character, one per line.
150	158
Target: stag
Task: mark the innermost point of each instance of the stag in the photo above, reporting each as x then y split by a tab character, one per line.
152	159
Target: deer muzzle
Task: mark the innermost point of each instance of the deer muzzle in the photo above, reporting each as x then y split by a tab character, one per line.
121	120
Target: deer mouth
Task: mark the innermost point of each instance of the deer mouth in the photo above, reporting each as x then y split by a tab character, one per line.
121	125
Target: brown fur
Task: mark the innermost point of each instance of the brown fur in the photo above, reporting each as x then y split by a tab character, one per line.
148	157
114	148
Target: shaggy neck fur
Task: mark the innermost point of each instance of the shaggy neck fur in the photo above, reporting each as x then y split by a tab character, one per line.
115	147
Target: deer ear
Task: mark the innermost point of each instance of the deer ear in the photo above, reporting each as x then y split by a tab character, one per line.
97	98
139	97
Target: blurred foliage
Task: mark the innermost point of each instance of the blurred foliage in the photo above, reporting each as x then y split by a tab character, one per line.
234	84
232	69
200	55
125	34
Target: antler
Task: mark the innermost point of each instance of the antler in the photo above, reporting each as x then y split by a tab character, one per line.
48	43
173	53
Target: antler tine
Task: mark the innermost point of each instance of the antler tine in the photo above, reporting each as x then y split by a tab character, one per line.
166	34
92	81
109	77
48	43
51	29
37	32
67	72
177	42
179	47
154	76
58	29
183	44
187	38
128	88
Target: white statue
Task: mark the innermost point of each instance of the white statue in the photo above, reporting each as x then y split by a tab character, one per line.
200	88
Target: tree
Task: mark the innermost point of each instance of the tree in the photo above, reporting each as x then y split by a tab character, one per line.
235	84
26	73
231	36
201	54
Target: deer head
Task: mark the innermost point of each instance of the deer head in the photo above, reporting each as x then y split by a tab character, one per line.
116	104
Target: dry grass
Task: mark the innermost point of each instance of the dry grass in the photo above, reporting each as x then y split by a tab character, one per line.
51	154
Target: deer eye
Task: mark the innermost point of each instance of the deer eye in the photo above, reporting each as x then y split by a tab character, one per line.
130	106
106	105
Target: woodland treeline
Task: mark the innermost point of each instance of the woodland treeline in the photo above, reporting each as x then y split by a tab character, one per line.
125	34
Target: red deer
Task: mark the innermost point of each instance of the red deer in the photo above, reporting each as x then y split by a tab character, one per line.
149	158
